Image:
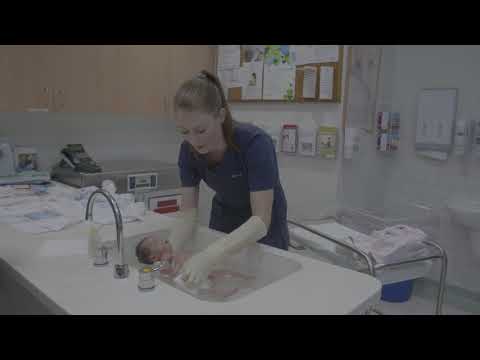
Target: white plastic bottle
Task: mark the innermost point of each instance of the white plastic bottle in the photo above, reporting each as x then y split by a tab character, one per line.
307	137
94	239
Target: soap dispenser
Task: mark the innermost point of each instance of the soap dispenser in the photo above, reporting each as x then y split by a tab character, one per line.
461	136
476	139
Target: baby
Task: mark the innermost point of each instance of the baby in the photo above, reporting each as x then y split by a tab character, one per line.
152	249
220	284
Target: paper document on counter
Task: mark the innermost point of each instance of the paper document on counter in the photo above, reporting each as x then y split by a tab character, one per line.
55	211
64	247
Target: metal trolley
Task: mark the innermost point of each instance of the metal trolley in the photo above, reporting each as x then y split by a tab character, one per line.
435	251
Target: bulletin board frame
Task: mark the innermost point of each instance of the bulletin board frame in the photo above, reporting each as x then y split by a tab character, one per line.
234	94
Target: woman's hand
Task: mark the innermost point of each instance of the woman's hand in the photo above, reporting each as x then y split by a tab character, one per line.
196	269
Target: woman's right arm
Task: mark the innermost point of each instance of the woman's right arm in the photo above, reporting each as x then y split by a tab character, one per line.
189	198
185	226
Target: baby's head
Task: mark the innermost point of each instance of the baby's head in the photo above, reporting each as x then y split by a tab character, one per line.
151	249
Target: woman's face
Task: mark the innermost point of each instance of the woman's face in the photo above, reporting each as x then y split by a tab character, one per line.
201	130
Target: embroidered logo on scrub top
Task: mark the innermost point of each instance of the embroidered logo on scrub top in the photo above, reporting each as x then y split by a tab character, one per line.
236	175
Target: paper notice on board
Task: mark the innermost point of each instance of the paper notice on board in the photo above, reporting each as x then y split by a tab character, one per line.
304	54
326	83
253	53
230	78
251	79
279	82
228	57
224	76
314	54
309	82
326	53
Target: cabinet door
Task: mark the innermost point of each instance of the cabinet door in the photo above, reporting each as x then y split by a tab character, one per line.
111	79
4	79
143	80
28	84
137	79
76	79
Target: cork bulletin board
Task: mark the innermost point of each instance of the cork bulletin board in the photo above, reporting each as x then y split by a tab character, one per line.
335	69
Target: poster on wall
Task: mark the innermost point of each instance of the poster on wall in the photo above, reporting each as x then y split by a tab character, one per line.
279	55
279	82
252	53
252	80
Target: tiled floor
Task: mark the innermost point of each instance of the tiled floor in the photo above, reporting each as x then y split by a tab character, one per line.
417	306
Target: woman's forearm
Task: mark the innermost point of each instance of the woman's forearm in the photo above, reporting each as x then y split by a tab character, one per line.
249	233
184	228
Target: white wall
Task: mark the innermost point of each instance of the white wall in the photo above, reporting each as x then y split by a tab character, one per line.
430	181
378	180
105	137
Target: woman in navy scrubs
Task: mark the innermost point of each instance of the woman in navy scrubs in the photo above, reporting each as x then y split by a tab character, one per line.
238	162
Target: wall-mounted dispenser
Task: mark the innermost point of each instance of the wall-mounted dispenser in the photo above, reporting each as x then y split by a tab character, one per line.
289	138
476	139
461	136
307	138
388	131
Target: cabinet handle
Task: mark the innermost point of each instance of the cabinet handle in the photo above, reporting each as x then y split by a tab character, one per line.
49	104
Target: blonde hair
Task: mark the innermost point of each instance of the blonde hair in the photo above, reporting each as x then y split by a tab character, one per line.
204	93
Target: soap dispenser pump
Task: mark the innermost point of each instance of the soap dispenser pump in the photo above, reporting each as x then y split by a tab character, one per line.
476	139
461	136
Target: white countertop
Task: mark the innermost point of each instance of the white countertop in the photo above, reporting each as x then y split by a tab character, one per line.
77	287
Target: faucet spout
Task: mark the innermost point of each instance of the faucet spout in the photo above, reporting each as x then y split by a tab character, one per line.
121	269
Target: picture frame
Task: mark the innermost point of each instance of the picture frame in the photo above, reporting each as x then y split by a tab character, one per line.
26	159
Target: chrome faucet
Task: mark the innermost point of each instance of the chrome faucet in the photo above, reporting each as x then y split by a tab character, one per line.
120	270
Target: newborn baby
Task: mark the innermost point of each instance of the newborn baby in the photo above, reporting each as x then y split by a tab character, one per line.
152	249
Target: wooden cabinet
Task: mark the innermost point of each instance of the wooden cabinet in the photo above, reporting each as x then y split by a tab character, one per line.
144	79
26	84
4	79
126	79
75	79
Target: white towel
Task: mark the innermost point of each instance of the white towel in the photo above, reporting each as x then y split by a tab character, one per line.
390	245
397	243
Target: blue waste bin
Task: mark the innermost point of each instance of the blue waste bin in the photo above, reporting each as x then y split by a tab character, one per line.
397	292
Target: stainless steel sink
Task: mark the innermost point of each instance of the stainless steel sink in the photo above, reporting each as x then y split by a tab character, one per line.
238	276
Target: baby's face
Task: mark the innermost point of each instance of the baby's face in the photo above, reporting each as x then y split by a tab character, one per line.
160	250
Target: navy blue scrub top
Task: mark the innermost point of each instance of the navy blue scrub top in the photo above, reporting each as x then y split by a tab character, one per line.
253	168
